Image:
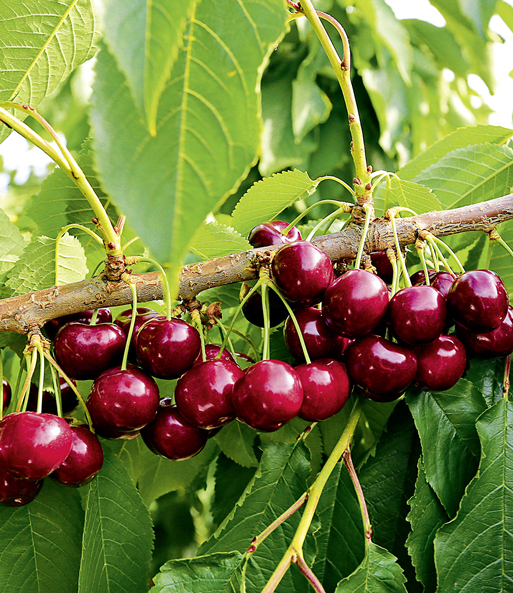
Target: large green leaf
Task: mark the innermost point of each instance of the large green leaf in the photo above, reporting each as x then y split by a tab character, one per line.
12	244
118	533
43	41
475	551
450	447
40	543
378	573
208	127
203	574
145	37
426	516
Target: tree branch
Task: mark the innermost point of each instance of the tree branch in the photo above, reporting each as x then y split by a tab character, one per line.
27	312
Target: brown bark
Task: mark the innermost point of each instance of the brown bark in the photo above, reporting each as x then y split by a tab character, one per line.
27	312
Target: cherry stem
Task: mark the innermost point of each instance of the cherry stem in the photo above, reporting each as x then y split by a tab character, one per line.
392	258
332	178
294	321
369	213
31	367
265	312
328	218
309	574
2	394
223	331
39	408
94	317
436	241
503	243
391	217
196	322
165	283
133	289
344	206
506	382
242	336
420	245
57	389
361	499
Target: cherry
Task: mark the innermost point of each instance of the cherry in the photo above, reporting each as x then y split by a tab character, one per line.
319	340
211	353
340	347
84	461
122	400
268	395
15	492
6	394
252	309
171	436
498	342
380	366
478	300
203	394
54	325
442	281
355	303
419	278
167	348
417	314
69	400
32	445
325	389
270	233
124	319
85	351
440	364
383	266
302	272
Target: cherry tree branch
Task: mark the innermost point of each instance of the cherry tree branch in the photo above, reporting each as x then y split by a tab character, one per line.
26	313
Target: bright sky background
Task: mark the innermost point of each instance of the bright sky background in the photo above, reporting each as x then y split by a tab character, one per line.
16	150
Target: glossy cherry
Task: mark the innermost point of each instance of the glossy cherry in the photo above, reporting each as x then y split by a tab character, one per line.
32	445
15	492
203	394
498	342
270	233
319	339
167	348
122	400
380	366
54	325
85	351
6	394
417	314
212	352
325	389
478	300
171	436
144	314
419	278
355	303
268	395
383	266
69	400
252	309
442	281
440	364
302	272
84	461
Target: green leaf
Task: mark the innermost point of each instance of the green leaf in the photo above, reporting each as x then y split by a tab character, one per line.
40	543
450	447
341	528
217	240
505	11
35	270
236	442
42	43
426	516
500	261
208	127
203	574
378	573
407	194
118	533
267	198
487	375
475	551
12	245
461	138
470	175
145	37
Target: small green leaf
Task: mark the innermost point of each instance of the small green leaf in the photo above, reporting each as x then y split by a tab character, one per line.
12	245
378	573
40	543
118	533
236	442
267	198
217	240
202	574
475	551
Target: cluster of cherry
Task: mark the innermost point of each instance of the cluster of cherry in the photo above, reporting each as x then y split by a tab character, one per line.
358	336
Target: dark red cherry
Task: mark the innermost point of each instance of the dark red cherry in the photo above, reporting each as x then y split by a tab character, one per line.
54	325
167	348
15	492
383	266
340	347
252	309
355	303
123	401
440	364
6	394
417	314
419	278
32	445
69	400
203	394
442	281
270	233
319	340
268	395
124	319
85	351
478	300
498	342
380	398
380	366
325	389
84	461
211	353
171	436
302	272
